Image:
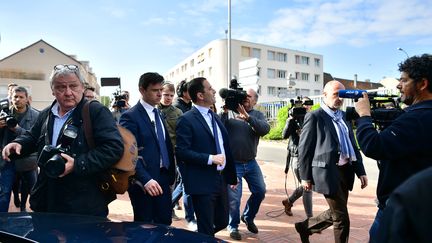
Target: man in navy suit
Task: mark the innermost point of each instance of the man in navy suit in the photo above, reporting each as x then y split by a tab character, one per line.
205	159
150	194
328	158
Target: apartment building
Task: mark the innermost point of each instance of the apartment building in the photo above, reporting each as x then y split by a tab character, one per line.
275	67
31	67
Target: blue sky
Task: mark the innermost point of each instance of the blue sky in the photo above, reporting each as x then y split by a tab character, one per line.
127	38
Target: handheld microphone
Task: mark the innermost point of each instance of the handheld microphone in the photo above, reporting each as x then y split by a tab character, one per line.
351	94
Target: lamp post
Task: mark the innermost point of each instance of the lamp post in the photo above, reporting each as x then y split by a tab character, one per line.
402	50
229	43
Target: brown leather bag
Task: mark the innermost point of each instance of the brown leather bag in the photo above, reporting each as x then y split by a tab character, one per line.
117	177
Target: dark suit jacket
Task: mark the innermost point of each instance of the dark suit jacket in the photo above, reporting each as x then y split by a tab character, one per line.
138	122
195	142
319	153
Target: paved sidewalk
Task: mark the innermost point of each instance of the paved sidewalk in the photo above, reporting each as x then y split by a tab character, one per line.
273	224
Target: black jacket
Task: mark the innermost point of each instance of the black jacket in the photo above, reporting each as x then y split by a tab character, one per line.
183	106
78	192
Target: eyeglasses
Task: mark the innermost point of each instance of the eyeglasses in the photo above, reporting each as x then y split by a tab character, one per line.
71	67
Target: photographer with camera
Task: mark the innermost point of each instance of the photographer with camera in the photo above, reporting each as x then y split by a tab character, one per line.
244	131
70	172
404	147
120	104
13	122
292	131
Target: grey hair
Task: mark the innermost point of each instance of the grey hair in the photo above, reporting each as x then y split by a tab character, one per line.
63	72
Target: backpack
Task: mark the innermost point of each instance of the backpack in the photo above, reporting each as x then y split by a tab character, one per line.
116	178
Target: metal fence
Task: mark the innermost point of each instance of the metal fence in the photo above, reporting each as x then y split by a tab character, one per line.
271	109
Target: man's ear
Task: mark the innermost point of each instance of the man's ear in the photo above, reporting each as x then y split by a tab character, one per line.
200	96
423	84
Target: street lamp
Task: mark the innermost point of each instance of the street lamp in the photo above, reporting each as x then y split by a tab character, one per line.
402	50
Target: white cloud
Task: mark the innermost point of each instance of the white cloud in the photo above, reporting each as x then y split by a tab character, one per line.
353	22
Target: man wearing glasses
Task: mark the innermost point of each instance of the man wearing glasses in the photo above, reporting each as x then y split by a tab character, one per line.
76	186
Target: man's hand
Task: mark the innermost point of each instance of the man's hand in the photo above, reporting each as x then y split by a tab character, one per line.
307	185
243	115
153	188
69	165
11	148
234	187
2	123
362	106
364	181
218	159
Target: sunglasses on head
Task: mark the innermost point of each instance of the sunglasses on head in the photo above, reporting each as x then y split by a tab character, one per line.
71	67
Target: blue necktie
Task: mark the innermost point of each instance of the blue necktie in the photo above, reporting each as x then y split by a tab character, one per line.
215	133
161	140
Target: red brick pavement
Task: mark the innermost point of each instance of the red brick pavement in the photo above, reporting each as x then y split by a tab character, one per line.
273	224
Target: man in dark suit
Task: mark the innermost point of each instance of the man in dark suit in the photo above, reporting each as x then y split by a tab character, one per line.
205	159
150	194
328	158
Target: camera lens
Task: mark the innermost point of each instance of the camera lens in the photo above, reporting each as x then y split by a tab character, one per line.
55	166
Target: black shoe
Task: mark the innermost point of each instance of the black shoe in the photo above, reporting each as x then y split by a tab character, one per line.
301	228
235	234
288	205
250	225
17	202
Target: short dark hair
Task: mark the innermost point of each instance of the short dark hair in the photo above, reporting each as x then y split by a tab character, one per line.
150	78
20	89
181	88
195	86
418	67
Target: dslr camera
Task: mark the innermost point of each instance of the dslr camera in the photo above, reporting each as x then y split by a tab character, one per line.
5	114
233	96
384	108
119	99
50	158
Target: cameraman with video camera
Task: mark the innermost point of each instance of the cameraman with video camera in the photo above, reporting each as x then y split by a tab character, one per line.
404	147
292	131
120	104
244	131
70	171
13	122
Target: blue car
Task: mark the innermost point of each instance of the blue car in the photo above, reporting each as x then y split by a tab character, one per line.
49	227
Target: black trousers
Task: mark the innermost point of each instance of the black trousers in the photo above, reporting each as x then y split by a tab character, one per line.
337	214
212	209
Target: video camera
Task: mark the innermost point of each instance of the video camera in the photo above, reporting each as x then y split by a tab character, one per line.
50	158
297	111
384	108
233	96
119	99
5	114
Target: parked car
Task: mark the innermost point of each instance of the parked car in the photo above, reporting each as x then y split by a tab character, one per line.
49	227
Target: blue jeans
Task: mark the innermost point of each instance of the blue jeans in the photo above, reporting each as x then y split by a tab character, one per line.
187	200
373	231
7	177
251	172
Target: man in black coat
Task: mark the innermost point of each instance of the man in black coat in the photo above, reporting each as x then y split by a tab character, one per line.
328	158
205	159
404	147
76	188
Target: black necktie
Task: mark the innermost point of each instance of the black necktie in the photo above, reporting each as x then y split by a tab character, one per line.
161	140
215	133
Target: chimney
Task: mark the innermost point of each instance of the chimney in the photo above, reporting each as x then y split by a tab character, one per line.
355	80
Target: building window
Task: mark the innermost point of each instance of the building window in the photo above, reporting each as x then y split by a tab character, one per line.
317	78
192	63
210	71
256	53
317	62
304	92
317	92
305	60
271	73
297	75
210	52
270	55
281	73
281	57
271	90
201	58
305	76
297	59
245	51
